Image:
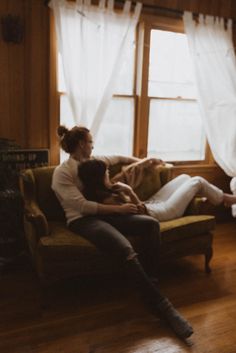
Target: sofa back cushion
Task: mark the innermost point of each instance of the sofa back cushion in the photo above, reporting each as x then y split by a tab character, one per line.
151	183
144	179
45	196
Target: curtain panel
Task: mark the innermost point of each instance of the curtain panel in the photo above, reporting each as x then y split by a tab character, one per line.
93	42
212	51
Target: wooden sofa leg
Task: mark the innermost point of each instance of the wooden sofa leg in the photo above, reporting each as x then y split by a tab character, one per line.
208	256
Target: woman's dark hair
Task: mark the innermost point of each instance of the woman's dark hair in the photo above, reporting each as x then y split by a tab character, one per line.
91	173
69	139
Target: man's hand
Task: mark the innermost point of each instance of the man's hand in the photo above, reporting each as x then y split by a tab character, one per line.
142	208
127	208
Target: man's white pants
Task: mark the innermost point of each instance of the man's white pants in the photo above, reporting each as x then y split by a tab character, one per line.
172	199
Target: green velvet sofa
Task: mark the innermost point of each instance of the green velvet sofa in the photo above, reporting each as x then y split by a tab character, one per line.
58	253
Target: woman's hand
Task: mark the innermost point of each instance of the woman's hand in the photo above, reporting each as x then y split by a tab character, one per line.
127	208
156	161
150	162
121	187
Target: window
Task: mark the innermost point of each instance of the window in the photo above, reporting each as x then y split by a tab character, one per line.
175	130
162	120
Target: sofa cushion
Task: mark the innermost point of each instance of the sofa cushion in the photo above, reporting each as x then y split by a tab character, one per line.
66	253
62	241
185	227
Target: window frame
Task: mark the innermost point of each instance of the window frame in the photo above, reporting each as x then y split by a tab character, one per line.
148	23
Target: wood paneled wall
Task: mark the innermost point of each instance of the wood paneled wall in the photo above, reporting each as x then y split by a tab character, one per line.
24	73
24	70
223	8
24	67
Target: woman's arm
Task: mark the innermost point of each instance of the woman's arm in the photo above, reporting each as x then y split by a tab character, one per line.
133	196
128	191
124	188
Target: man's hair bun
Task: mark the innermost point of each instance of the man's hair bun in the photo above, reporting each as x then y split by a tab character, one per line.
61	130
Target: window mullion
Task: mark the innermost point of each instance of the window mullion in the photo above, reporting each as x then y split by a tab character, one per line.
54	99
141	126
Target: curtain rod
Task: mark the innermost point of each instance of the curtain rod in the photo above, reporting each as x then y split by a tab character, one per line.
159	8
148	6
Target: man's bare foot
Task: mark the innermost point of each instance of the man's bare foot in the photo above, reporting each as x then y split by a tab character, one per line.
229	200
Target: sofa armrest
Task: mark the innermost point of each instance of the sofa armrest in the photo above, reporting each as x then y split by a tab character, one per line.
36	217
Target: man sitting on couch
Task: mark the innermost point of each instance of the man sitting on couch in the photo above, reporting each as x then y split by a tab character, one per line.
106	225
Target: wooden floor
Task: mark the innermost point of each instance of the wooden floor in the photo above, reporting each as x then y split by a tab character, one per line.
106	316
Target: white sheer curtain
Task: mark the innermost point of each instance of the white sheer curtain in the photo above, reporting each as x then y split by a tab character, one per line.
213	55
93	42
